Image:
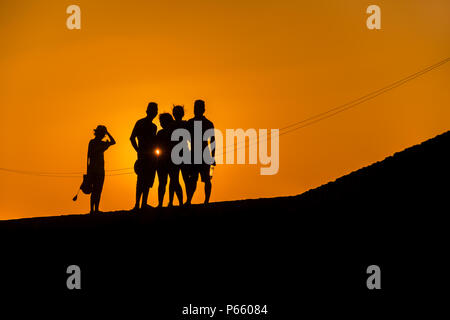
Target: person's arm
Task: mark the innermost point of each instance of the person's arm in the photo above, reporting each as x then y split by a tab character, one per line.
111	139
88	163
133	140
212	139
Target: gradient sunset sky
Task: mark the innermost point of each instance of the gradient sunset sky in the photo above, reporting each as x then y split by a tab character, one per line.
257	64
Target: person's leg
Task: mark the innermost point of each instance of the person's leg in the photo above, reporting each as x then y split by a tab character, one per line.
162	178
189	193
96	196
95	191
184	175
192	186
149	177
206	178
175	185
139	191
92	202
100	181
171	193
145	191
138	171
173	174
208	187
186	180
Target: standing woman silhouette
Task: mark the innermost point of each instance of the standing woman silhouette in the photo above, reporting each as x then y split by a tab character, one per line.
96	164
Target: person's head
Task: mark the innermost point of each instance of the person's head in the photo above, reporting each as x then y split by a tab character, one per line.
199	108
100	131
178	112
152	110
165	119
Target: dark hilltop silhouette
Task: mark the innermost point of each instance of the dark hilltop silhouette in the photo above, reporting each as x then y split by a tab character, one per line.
413	176
317	244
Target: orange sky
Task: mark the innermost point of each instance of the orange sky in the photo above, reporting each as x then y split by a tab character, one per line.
257	64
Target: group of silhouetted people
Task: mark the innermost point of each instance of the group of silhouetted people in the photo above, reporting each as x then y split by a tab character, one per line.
154	149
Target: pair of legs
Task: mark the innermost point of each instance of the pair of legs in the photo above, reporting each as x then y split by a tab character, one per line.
173	173
97	181
203	170
142	189
145	176
176	179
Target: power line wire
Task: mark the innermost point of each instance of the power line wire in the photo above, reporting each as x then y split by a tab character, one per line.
292	127
56	175
336	110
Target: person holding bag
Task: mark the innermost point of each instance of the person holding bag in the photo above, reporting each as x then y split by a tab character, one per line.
96	164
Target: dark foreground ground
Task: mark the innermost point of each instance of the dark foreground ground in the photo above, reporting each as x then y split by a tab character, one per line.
306	253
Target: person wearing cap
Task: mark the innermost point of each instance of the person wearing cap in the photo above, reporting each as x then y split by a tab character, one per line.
96	164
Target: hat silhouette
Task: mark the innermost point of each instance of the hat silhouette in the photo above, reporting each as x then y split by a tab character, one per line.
100	130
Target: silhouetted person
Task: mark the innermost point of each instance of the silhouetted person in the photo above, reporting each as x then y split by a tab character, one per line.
179	123
96	164
202	168
145	166
166	168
